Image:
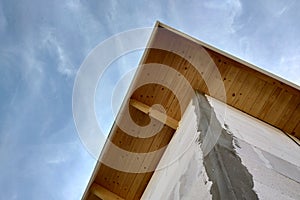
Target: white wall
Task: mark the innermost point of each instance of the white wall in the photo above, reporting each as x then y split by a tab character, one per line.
181	174
270	156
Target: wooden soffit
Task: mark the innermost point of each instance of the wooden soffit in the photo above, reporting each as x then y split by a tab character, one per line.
173	66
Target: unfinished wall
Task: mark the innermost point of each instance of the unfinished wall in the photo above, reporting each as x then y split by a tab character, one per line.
222	153
181	173
270	156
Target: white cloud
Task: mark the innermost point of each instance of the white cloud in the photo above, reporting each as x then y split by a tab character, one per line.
88	26
277	8
214	20
65	66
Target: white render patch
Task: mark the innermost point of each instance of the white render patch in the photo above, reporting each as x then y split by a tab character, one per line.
256	132
181	173
271	157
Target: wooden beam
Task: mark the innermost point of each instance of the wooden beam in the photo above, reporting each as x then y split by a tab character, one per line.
103	193
156	114
140	106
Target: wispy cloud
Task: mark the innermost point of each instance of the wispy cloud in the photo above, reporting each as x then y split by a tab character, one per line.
51	43
37	136
90	29
210	14
44	43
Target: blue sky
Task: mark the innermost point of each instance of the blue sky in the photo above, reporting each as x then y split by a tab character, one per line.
43	43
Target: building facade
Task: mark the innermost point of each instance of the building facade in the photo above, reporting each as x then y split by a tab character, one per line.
198	123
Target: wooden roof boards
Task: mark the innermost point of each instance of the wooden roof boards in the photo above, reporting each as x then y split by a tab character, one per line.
172	67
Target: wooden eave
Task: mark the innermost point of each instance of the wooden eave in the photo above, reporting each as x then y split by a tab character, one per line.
248	88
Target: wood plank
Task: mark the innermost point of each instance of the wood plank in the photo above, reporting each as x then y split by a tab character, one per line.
261	99
114	178
155	76
103	193
92	197
245	90
160	141
267	106
181	83
181	50
105	177
293	121
140	190
156	114
285	116
232	96
141	177
140	106
255	71
160	92
278	107
141	180
270	80
143	145
296	131
136	184
122	139
127	180
251	97
202	63
229	78
223	68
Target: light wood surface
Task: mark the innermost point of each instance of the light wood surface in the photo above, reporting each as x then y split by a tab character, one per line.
247	88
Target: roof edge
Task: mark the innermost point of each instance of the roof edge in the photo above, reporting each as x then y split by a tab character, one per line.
247	64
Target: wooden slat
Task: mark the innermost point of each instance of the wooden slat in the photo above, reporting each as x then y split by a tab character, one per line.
288	111
233	95
291	124
140	106
139	144
223	67
253	94
140	182
103	193
245	90
92	197
228	80
113	178
134	181
278	107
155	114
297	131
261	99
267	106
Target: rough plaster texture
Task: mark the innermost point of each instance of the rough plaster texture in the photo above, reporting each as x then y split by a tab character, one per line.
181	174
231	179
269	156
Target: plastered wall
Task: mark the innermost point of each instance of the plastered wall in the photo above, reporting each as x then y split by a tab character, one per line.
242	158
